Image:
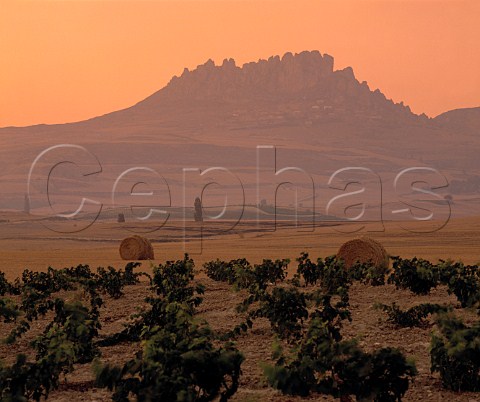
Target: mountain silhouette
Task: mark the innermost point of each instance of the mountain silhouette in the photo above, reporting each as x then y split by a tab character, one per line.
303	84
320	119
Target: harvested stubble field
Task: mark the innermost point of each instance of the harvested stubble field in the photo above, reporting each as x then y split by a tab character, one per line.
26	244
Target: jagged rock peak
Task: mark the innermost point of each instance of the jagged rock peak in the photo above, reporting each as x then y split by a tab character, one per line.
228	63
289	73
306	78
281	90
305	58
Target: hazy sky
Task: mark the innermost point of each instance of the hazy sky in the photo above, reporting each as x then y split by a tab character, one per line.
69	60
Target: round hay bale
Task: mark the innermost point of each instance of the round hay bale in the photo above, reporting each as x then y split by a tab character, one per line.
136	248
363	250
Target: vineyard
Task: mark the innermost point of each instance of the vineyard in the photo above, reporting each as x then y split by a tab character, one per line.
232	330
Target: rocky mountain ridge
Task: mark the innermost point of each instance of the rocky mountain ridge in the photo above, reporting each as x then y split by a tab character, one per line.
319	118
293	79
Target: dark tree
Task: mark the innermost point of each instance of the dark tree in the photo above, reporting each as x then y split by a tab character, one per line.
198	215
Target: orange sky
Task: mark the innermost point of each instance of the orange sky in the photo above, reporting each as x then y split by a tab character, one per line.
69	60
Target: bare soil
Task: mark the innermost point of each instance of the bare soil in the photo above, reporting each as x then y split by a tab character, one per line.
26	245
